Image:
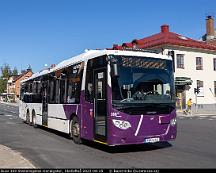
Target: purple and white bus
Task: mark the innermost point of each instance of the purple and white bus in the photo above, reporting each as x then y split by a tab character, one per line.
113	97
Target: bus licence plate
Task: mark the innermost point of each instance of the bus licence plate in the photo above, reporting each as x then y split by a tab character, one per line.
151	140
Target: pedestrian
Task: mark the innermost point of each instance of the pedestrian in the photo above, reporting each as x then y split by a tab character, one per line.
189	104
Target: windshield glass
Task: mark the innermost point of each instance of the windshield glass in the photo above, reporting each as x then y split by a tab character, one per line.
142	80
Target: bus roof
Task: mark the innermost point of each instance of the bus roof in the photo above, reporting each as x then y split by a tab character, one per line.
92	54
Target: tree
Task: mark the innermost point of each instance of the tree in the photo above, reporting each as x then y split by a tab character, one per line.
5	74
15	71
6	71
3	85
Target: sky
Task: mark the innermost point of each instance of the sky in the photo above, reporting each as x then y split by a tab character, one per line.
39	32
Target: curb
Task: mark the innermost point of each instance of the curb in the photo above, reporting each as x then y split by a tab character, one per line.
12	159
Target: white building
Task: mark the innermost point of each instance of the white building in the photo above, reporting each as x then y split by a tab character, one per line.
193	60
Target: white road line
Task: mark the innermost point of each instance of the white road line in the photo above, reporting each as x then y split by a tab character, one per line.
181	117
211	119
8	115
10	111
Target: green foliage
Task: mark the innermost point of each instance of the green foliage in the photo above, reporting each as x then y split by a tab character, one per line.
15	71
5	74
3	85
6	71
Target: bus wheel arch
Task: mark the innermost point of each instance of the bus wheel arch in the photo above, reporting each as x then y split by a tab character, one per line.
75	129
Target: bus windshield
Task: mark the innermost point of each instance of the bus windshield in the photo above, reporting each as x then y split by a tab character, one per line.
142	80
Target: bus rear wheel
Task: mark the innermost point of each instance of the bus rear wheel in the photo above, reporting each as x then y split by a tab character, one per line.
75	130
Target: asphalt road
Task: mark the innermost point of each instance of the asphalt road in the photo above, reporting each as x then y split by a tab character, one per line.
193	148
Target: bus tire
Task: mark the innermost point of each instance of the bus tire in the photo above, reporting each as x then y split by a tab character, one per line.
34	120
75	130
28	118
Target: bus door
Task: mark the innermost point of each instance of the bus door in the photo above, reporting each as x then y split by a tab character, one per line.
45	103
100	105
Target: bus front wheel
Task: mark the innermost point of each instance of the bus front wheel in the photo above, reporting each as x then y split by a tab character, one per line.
75	130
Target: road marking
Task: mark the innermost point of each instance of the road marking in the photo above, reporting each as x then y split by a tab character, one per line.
211	119
10	111
181	117
8	115
200	118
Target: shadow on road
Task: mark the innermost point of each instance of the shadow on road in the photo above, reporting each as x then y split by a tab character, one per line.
114	149
128	148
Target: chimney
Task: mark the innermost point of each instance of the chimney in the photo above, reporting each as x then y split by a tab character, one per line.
164	28
209	27
52	66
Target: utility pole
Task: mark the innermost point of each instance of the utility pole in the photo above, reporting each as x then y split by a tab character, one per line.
196	91
195	102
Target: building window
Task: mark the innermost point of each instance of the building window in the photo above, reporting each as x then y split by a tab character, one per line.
180	60
214	63
201	90
215	88
199	63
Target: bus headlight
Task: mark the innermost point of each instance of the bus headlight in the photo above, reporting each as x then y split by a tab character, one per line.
121	124
173	122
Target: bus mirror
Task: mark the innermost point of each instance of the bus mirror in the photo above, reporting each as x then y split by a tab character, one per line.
114	69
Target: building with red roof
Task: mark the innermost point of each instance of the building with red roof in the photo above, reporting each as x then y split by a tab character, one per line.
13	84
194	63
166	38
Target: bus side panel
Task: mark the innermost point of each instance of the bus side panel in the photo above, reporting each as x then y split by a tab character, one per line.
22	111
29	107
57	118
87	118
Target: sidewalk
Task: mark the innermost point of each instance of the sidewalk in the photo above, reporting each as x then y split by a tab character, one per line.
193	114
12	159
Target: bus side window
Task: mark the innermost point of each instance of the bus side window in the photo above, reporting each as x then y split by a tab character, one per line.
57	94
89	82
52	91
63	89
70	94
